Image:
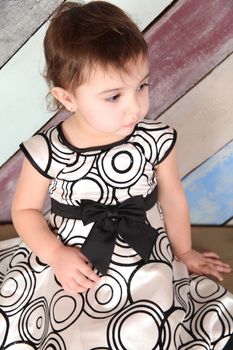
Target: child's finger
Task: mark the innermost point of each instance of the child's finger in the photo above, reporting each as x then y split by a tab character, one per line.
68	288
81	289
83	281
87	271
85	258
216	262
222	268
74	288
207	270
211	255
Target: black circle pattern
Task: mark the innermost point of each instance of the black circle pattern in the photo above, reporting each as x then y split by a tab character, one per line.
18	288
121	168
121	334
114	289
136	305
61	318
53	342
34	316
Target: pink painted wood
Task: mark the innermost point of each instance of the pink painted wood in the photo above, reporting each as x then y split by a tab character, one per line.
185	45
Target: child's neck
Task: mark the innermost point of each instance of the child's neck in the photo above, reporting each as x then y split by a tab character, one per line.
83	137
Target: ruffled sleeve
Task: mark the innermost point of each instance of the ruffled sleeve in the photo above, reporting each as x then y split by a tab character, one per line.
38	151
156	139
165	142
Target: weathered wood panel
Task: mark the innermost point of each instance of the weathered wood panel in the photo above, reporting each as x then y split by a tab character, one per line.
23	96
225	44
209	189
30	100
203	117
19	20
156	67
185	44
230	223
21	82
142	12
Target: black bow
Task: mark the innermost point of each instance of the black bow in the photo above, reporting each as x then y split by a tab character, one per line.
127	219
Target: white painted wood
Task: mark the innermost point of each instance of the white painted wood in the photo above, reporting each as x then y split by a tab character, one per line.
18	20
230	223
203	117
23	107
142	12
22	89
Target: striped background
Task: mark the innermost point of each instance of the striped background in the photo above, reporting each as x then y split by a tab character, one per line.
191	59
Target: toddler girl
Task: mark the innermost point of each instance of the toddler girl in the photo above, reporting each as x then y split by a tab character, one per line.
109	270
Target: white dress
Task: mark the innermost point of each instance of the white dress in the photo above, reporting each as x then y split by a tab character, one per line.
139	303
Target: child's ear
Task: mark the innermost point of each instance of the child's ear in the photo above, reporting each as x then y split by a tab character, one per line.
64	97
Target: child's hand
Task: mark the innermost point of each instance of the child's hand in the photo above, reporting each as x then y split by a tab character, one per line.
207	263
73	270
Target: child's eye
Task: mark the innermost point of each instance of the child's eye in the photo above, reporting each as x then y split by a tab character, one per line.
143	86
113	98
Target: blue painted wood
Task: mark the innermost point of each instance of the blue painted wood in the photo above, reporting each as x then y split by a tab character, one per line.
209	189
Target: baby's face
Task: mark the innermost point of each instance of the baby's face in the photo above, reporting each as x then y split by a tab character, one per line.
112	102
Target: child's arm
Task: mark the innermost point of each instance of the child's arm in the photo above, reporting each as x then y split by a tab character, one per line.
176	217
69	265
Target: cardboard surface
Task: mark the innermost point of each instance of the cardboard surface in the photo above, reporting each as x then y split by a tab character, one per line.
219	240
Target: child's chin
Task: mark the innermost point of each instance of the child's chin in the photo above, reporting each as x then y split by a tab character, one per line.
128	128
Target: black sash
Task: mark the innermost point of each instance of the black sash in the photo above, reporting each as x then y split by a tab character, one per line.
127	219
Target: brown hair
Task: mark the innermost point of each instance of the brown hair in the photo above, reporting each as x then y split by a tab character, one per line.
83	35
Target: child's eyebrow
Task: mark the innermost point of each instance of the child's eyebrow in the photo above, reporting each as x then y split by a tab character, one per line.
147	76
119	88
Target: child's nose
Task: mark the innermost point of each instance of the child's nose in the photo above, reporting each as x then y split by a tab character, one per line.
131	117
132	109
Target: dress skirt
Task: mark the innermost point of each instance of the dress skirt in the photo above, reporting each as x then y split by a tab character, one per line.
136	305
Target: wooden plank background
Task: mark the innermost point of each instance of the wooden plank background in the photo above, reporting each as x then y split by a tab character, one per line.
185	45
191	46
209	189
29	108
204	117
19	20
